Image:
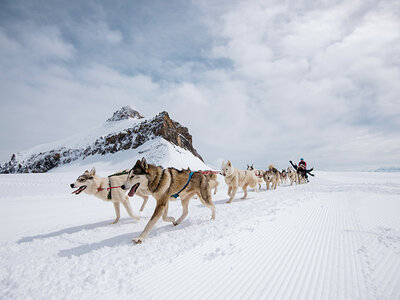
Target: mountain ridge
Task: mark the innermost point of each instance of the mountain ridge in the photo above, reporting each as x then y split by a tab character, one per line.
126	129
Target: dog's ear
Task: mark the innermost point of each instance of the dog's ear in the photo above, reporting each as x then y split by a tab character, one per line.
86	172
92	171
229	163
252	165
144	164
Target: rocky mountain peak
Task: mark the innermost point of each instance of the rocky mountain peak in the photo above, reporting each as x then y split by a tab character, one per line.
124	113
132	137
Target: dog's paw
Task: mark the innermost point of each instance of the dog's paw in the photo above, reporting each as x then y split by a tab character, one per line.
115	222
137	240
137	218
175	223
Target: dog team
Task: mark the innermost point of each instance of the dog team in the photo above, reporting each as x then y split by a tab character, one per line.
166	184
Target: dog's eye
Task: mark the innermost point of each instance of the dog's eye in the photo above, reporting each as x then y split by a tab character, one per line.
132	176
82	179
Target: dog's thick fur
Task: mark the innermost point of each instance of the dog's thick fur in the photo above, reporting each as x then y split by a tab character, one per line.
236	178
162	184
259	174
272	176
292	175
284	176
213	181
95	185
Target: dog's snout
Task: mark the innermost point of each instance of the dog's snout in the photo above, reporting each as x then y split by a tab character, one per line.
72	185
123	186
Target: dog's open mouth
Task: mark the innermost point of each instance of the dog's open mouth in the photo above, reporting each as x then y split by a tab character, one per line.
133	190
79	190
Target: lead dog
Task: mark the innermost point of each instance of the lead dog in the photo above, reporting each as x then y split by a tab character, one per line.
236	178
98	186
164	185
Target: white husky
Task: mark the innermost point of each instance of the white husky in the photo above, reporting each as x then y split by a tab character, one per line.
107	189
292	174
235	178
259	174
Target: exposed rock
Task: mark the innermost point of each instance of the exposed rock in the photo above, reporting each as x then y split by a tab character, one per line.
124	113
130	138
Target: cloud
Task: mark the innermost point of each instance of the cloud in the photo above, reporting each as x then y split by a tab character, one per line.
255	81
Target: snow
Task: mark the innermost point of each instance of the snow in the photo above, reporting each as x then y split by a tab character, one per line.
157	151
337	237
82	139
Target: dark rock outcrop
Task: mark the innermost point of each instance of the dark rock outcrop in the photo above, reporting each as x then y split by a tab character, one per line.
130	138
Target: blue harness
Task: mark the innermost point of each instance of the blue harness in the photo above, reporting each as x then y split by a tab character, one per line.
177	194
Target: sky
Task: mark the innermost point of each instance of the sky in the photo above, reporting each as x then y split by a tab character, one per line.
256	82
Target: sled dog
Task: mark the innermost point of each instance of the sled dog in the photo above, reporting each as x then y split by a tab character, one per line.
236	178
271	176
98	186
292	175
212	181
164	185
259	174
284	176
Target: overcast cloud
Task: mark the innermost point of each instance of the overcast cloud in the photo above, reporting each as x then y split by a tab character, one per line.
254	81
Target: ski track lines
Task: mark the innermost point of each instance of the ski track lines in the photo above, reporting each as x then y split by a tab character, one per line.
311	241
287	259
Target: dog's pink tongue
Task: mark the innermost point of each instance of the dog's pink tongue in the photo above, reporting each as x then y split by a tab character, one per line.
133	190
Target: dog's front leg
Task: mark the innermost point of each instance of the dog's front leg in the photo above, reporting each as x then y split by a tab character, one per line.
165	215
153	220
233	193
185	205
117	212
245	191
145	198
128	208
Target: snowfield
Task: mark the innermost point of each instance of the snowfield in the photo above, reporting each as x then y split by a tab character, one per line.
337	237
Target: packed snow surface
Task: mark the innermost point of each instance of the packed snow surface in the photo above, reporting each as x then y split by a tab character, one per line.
337	237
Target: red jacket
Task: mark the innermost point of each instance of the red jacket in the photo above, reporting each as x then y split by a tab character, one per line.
302	162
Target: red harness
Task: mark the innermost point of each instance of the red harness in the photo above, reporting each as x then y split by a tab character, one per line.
208	172
109	188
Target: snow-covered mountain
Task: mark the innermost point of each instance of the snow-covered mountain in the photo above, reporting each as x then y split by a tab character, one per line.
115	144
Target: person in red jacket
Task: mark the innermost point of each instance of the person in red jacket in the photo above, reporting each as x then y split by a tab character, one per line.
302	164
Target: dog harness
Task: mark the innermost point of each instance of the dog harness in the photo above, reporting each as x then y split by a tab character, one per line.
109	184
177	194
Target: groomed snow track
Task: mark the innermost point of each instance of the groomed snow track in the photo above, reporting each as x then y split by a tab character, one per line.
337	237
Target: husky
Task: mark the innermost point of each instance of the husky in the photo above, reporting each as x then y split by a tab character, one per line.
100	187
236	178
271	176
164	185
212	180
292	175
284	176
259	174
